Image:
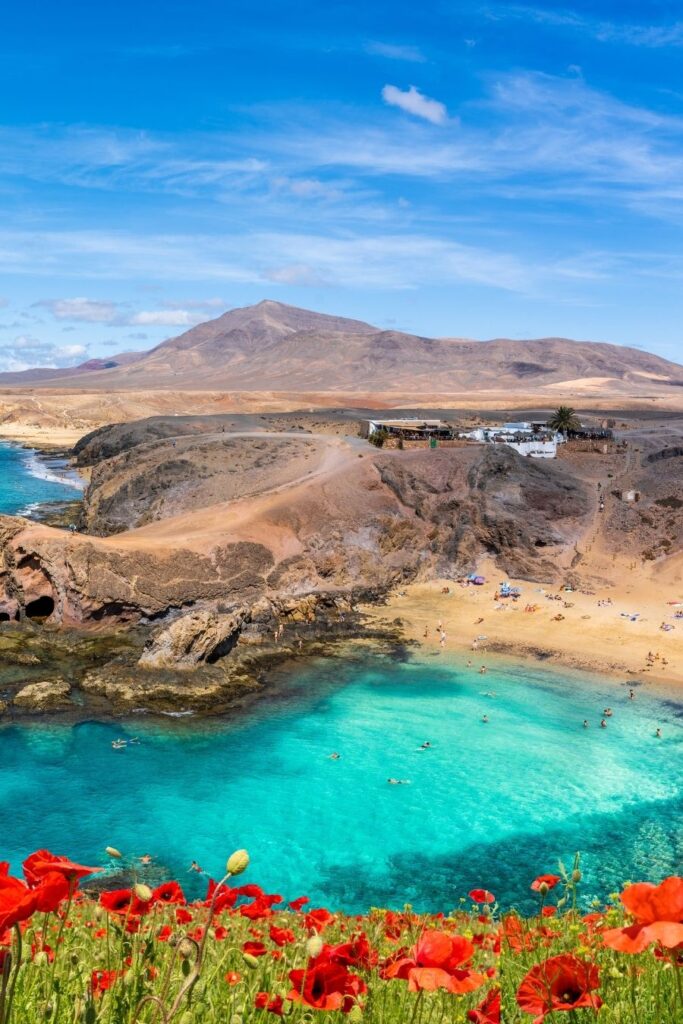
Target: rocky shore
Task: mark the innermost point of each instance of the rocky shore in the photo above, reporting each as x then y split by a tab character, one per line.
205	662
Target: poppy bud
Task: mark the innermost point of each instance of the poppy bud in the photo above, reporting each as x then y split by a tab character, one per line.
187	1017
576	875
250	960
355	1015
143	892
314	946
237	862
185	948
111	851
544	889
40	959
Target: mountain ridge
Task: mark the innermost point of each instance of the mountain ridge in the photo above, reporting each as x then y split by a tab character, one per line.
277	347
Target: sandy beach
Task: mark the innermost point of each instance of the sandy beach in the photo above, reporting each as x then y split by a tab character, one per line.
591	635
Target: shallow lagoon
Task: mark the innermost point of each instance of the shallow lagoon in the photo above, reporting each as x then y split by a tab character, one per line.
489	804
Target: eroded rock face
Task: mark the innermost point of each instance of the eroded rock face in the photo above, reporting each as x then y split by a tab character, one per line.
377	519
201	636
50	695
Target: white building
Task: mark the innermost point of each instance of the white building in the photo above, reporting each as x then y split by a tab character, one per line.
529	439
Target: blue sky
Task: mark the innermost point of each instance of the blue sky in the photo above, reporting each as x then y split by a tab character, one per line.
464	169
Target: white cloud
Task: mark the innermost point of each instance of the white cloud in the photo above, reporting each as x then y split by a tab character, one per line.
89	311
25	352
71	352
416	103
393	51
167	318
654	36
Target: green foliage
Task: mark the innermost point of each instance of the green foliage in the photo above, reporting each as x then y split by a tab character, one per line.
564	419
378	437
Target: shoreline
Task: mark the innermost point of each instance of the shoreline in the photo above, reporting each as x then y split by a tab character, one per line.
590	638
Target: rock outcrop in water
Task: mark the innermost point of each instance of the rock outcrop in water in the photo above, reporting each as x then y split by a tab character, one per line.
196	638
51	695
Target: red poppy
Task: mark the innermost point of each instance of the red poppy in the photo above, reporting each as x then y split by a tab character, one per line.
256	911
117	901
281	936
436	962
19	903
549	880
318	920
355	953
264	1001
102	981
42	862
325	986
488	1011
482	896
169	892
233	978
254	948
298	903
658	913
518	936
226	899
560	983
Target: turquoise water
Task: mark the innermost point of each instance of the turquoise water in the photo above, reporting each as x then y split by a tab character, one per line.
27	480
489	804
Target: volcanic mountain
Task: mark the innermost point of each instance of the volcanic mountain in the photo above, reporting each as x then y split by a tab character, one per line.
275	347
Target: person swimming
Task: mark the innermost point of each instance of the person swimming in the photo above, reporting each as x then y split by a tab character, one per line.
426	745
398	782
658	733
485	718
146	858
603	724
335	756
585	723
194	866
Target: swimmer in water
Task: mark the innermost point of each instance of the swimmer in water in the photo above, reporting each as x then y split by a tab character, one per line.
194	866
146	858
603	724
658	733
398	782
335	756
426	745
485	718
585	723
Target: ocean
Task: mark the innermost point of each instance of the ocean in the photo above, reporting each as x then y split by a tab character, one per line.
487	804
28	479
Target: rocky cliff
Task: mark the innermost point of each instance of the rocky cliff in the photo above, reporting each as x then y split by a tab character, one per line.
241	518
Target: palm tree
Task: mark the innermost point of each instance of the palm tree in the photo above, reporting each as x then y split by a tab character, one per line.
564	419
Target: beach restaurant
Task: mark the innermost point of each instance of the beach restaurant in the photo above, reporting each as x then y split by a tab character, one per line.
408	429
